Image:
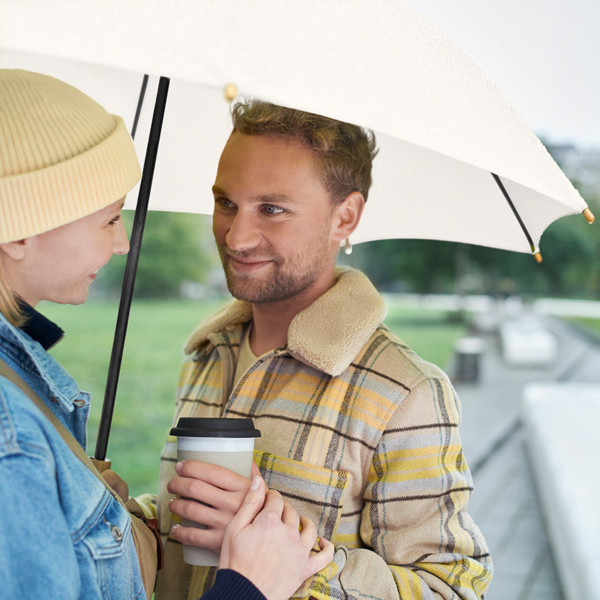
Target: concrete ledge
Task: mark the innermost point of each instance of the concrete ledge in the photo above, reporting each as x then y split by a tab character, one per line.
562	427
526	343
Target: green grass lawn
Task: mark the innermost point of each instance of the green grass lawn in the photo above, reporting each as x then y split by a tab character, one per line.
592	325
146	394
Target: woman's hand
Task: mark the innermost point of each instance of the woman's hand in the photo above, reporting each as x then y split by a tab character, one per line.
117	483
271	545
209	495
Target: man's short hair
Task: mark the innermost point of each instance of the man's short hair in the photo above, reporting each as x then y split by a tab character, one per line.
344	152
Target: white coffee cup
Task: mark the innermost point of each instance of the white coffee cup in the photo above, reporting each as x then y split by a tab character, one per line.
224	442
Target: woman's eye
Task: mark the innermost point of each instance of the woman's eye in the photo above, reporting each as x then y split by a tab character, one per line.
114	220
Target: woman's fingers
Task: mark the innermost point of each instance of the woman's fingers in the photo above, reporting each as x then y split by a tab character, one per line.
251	505
319	560
290	517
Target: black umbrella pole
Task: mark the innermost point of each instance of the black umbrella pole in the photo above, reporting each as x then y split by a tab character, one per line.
131	270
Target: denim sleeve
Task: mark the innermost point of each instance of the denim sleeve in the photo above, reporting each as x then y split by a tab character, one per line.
37	557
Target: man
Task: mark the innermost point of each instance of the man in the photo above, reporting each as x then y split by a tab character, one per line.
358	433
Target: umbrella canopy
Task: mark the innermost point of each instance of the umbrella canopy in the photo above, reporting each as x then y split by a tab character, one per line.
456	161
442	126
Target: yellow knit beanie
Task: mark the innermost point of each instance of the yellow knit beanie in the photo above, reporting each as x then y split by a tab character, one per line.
62	156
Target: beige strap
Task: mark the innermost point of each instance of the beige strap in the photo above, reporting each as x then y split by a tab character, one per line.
66	435
144	531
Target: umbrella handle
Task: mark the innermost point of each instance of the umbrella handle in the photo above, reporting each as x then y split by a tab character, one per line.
101	465
131	270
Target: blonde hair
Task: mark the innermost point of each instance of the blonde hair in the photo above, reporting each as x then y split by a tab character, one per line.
344	152
9	303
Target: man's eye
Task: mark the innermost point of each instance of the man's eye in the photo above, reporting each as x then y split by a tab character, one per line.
271	209
224	202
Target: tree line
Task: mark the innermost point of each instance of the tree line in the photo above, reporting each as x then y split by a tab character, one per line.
178	249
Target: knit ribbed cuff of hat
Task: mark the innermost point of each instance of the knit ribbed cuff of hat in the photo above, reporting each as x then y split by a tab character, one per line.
42	200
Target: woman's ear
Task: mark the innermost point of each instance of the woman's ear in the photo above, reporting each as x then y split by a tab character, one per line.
347	216
15	250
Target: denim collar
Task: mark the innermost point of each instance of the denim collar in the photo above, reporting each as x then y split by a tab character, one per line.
41	329
20	348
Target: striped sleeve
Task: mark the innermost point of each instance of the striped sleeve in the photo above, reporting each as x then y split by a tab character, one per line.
419	541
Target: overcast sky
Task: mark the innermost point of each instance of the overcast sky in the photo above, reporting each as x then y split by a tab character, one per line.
543	54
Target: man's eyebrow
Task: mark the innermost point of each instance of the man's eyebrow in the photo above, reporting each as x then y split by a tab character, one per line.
273	198
269	198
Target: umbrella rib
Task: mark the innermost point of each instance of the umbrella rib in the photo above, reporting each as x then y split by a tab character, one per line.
515	211
138	108
131	270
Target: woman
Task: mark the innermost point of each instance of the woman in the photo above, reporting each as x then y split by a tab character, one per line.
65	168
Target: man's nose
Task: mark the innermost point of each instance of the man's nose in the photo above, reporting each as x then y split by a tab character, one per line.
243	233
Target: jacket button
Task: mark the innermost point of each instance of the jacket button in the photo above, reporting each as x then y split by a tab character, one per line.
116	533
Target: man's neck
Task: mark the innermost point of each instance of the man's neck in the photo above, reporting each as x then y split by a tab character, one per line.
271	321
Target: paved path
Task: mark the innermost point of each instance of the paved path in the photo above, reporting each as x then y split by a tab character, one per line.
504	502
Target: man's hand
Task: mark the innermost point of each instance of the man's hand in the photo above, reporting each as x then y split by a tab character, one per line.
272	547
221	493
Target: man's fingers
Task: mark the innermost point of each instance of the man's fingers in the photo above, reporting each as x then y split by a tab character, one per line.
194	536
194	489
213	474
196	512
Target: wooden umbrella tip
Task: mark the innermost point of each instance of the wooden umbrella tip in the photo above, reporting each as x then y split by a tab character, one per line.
589	215
538	256
230	92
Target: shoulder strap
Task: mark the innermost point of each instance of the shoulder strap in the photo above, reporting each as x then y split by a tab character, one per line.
144	531
66	435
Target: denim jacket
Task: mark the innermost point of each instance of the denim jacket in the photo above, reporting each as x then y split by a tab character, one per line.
62	534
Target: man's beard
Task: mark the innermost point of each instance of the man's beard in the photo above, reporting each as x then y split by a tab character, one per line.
281	284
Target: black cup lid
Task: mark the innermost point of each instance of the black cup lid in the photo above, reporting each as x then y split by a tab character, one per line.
215	427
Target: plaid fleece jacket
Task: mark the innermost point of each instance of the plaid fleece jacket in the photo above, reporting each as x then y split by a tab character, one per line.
359	434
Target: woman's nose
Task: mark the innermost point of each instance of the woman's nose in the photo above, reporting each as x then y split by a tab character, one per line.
120	240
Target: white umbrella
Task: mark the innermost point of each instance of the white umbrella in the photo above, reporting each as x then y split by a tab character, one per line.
456	161
442	126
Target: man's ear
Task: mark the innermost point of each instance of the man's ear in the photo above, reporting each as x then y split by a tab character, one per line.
347	216
15	250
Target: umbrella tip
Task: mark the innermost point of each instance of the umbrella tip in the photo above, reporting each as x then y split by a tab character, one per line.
230	92
538	256
589	215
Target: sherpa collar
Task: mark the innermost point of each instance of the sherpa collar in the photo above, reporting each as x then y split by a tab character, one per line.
328	334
